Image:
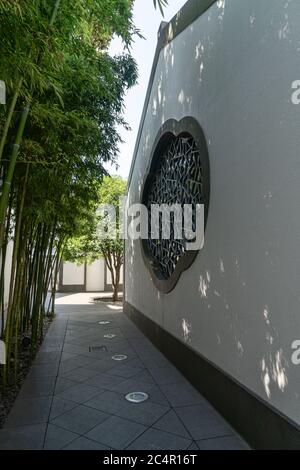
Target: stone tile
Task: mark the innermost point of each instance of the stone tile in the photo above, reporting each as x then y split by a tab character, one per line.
56	343
80	419
66	356
82	443
63	384
29	411
23	437
172	424
145	413
153	361
153	439
136	363
183	394
203	422
79	393
166	375
90	388
193	446
37	387
81	340
79	350
45	357
57	438
60	407
156	396
132	385
124	371
144	377
43	370
73	363
104	381
81	374
116	432
109	402
102	365
223	443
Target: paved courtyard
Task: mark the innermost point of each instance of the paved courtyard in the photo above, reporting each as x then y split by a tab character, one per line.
74	395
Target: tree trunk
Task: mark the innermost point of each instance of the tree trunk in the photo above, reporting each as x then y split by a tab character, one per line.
116	284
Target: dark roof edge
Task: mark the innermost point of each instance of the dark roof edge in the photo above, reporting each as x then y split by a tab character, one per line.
166	33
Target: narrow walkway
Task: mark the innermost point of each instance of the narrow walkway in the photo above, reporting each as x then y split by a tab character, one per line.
74	395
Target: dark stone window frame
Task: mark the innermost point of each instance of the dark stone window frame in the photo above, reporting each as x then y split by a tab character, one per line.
171	129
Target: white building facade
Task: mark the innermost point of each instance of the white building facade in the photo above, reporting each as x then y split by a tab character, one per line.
93	277
232	318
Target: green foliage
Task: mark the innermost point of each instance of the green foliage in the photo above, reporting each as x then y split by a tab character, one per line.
76	91
55	62
73	125
89	246
161	4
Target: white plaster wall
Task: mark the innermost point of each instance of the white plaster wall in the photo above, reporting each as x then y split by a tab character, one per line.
108	276
95	276
239	303
73	275
7	272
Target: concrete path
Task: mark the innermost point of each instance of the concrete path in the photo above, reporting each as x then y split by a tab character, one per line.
74	395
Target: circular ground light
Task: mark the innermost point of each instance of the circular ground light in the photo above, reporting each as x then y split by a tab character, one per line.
109	336
104	322
136	397
119	357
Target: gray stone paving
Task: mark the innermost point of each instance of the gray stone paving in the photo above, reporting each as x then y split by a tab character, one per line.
73	397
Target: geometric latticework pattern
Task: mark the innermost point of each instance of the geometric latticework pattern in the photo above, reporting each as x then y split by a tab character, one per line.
177	179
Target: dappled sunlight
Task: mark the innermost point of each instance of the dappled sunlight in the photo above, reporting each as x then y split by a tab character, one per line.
284	32
240	349
274	365
204	284
274	372
114	307
181	97
252	20
221	6
230	286
266	314
279	371
170	32
186	330
82	298
266	378
268	196
222	266
169	56
269	338
154	106
198	57
199	50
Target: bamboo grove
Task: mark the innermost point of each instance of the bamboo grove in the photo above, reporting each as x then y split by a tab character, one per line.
60	125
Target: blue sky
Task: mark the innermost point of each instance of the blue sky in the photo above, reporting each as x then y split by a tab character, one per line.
147	19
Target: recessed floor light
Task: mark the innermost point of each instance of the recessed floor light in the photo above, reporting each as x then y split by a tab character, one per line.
137	397
104	322
119	357
109	335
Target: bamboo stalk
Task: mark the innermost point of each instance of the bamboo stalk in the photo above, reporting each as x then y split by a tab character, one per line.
16	147
10	171
9	117
15	281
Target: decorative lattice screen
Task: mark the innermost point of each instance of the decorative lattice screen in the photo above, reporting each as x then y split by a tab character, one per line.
177	178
